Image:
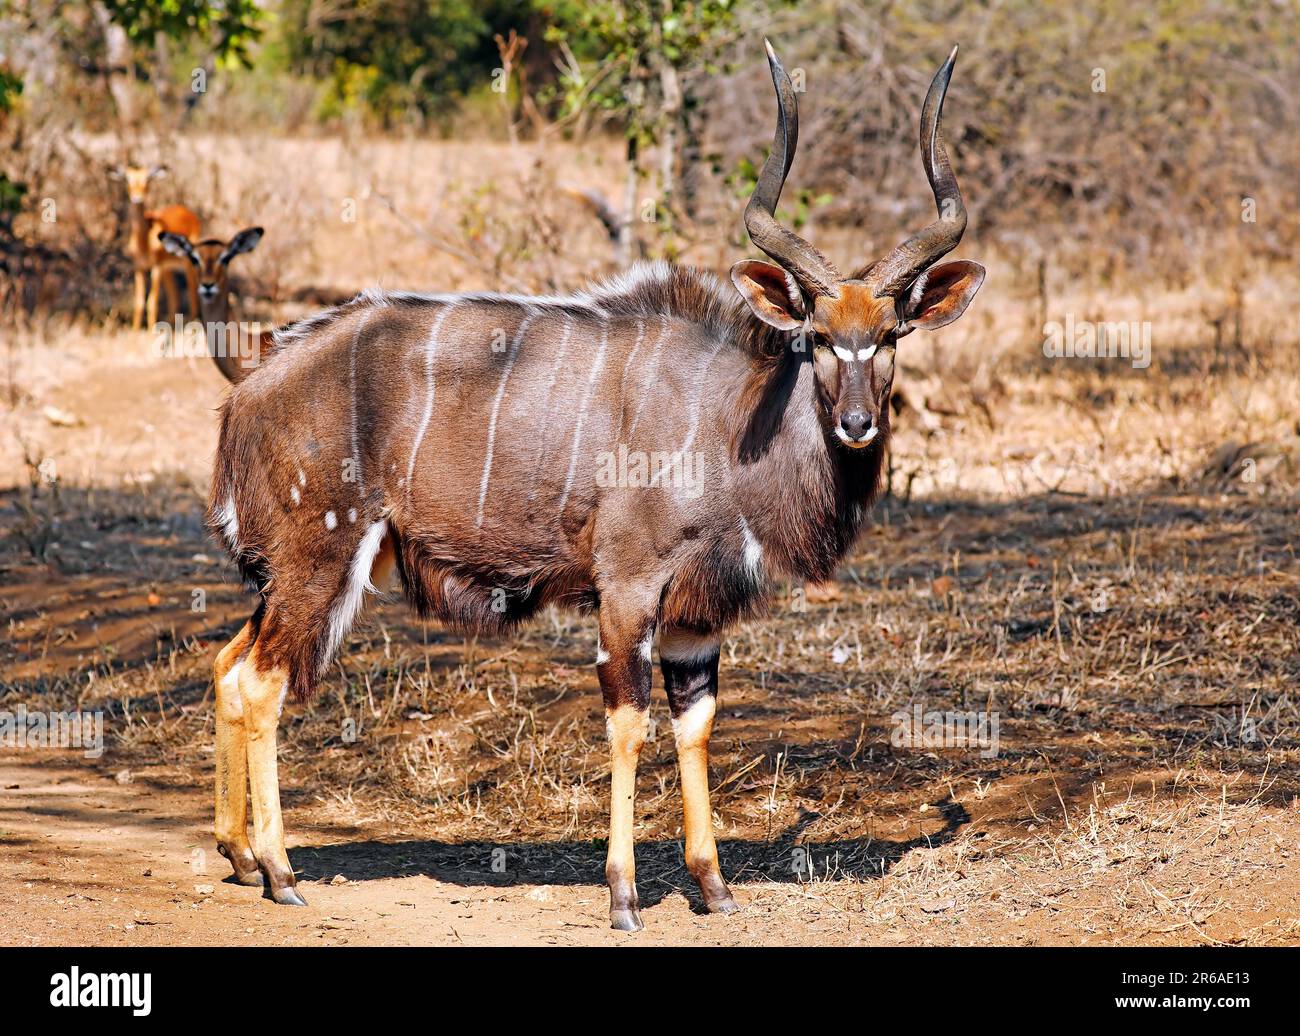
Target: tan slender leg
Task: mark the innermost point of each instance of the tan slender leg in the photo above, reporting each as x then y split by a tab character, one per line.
155	284
692	730
141	288
192	286
690	667
628	726
627	627
231	823
262	689
169	288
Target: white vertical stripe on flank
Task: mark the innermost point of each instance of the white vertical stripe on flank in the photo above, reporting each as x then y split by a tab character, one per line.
496	410
645	389
352	384
694	428
627	366
430	348
542	441
349	602
582	412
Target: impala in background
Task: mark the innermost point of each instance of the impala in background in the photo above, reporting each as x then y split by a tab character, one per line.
153	262
389	431
235	350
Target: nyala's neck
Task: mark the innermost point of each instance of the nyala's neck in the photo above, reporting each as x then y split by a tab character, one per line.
805	496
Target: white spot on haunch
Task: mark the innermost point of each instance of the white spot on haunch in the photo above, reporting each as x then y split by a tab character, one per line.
602	656
294	495
352	515
646	645
302	477
331	520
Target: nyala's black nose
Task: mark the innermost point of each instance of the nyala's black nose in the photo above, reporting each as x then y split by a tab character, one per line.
855	423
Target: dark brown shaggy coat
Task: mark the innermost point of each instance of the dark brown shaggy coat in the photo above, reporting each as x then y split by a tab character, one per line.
497	445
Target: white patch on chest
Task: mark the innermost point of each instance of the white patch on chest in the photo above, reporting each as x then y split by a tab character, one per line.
229	522
753	551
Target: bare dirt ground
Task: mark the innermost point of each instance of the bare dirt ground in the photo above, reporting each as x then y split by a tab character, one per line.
1054	551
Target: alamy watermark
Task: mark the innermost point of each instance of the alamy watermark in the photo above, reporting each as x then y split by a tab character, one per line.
1092	339
233	338
22	729
921	728
75	988
651	469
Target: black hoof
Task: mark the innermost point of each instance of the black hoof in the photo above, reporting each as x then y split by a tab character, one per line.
722	906
288	896
244	864
625	920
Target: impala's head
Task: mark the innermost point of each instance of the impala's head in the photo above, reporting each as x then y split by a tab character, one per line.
854	323
211	261
138	179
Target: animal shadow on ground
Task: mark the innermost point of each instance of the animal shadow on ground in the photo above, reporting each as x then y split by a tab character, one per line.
660	867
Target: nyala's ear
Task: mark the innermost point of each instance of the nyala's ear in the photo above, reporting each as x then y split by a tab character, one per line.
941	294
245	241
178	245
771	293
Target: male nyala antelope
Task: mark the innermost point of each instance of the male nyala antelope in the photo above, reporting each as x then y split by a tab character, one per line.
153	262
235	350
459	437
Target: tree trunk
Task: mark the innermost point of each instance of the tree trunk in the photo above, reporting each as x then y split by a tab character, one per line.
627	233
117	74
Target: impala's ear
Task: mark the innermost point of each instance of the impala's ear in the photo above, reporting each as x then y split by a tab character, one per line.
771	293
158	172
178	245
245	241
941	294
